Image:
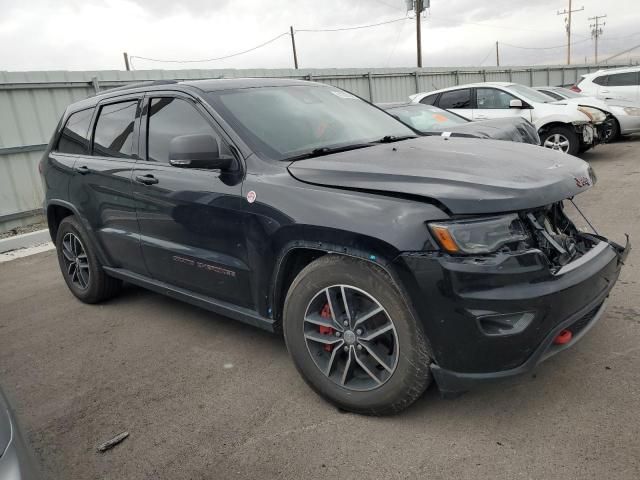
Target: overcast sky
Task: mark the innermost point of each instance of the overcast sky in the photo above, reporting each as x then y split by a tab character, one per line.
92	34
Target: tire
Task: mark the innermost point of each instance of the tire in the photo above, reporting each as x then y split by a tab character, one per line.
403	347
612	131
79	265
554	139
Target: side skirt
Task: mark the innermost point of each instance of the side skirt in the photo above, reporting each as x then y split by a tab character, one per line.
241	314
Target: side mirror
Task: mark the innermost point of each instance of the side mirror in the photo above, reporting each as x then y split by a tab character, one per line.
197	151
516	103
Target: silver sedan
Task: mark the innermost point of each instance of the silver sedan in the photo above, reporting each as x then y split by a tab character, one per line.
626	114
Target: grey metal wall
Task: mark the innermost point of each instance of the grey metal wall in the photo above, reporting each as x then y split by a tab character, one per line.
31	104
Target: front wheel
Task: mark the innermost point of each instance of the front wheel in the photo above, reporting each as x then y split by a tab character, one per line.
353	337
611	130
561	138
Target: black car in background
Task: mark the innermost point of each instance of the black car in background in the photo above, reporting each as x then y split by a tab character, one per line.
386	259
430	120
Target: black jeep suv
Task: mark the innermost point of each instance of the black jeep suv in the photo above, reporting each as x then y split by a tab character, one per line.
387	260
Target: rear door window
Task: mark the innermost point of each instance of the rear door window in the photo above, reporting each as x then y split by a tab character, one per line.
75	134
623	79
456	99
113	135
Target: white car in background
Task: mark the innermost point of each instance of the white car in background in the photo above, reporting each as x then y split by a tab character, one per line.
614	83
562	126
624	115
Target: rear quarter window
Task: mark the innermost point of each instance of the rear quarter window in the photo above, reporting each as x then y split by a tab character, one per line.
601	80
74	137
627	79
429	99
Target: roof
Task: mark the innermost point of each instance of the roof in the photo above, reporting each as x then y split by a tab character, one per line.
471	85
632	68
208	85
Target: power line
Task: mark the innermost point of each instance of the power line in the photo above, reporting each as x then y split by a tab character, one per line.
543	48
212	59
381	2
342	29
485	58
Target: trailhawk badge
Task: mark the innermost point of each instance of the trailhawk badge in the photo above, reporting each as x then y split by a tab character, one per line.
251	196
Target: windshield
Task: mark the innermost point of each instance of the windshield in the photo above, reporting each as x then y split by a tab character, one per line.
530	94
426	118
290	121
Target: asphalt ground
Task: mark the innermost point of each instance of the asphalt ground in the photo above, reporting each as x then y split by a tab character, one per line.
205	397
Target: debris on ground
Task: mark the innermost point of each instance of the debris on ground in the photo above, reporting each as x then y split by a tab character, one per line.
109	444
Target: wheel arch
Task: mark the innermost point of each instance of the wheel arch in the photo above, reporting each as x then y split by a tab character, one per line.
296	255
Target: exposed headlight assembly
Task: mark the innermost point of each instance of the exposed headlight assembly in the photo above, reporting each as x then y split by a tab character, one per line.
633	111
479	236
595	115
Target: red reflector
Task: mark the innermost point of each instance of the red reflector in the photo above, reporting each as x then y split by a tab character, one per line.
563	337
575	88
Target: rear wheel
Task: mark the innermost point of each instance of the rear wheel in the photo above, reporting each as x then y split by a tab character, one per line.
562	139
79	265
353	338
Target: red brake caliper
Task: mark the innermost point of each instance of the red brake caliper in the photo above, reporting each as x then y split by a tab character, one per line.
326	313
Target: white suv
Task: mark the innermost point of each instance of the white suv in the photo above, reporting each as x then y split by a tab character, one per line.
561	126
615	83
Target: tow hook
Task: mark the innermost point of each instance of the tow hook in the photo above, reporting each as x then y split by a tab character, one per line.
563	337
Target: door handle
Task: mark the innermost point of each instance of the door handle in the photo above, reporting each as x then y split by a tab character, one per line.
604	91
146	179
481	117
83	170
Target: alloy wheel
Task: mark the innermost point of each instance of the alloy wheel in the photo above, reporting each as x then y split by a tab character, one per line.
351	338
75	261
557	141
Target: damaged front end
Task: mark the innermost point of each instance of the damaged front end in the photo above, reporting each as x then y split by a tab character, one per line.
560	241
506	292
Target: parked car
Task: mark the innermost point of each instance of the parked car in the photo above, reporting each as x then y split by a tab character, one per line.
614	83
624	116
385	258
568	128
430	120
16	461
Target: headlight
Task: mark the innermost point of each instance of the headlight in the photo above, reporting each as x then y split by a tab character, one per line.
595	115
479	236
633	111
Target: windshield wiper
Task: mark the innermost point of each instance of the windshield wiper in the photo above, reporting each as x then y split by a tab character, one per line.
321	151
394	138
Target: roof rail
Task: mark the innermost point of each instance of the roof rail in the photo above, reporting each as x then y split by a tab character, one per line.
148	83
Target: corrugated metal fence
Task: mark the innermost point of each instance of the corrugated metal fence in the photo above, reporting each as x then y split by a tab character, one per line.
31	104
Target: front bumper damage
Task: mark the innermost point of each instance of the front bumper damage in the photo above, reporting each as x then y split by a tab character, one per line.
491	317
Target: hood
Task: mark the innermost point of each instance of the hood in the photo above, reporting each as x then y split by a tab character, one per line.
514	129
585	102
467	176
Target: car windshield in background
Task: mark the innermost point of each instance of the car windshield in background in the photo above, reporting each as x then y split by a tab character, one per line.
425	118
282	123
530	94
565	92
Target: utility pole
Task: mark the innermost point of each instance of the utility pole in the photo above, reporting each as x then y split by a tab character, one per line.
418	9
418	6
568	26
596	30
293	45
497	54
126	61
